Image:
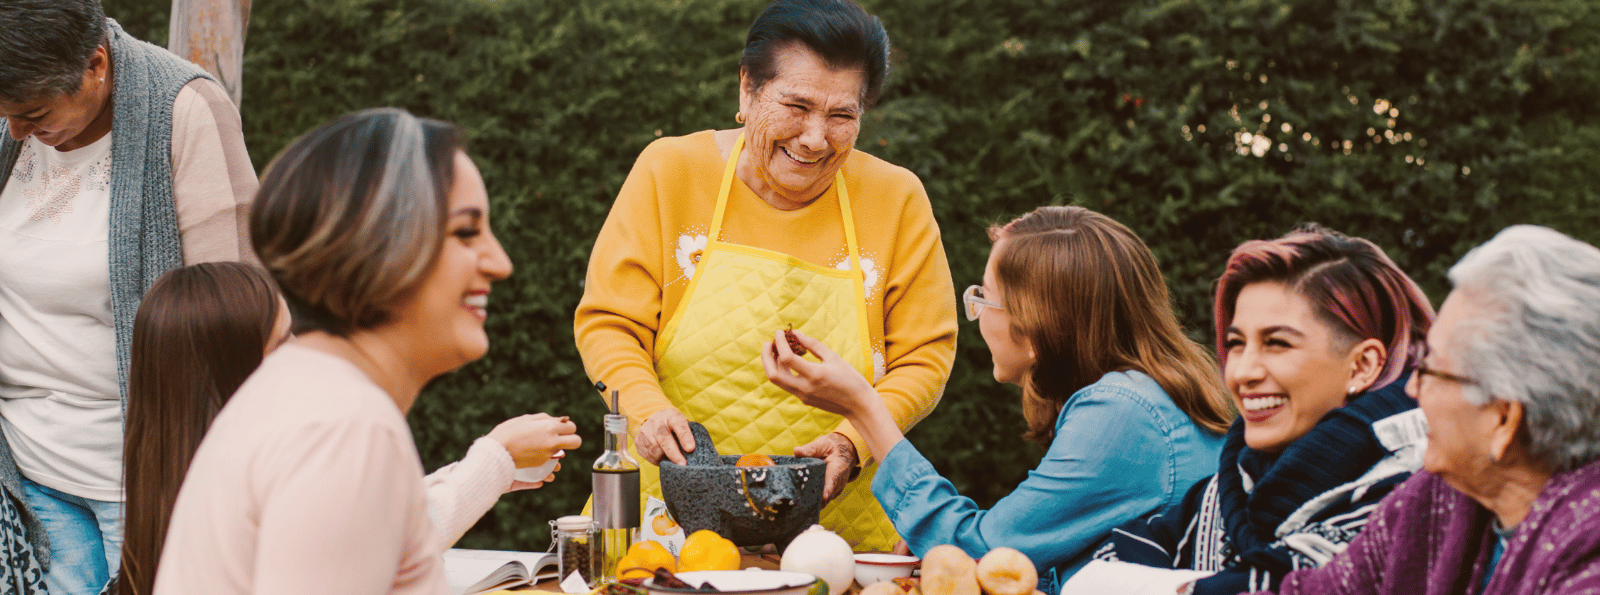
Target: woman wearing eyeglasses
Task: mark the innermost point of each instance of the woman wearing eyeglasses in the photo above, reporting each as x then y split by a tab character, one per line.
1316	333
1075	312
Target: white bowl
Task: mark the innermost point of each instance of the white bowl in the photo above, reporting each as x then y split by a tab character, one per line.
876	568
535	474
752	581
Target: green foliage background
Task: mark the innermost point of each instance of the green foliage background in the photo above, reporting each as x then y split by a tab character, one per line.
1134	109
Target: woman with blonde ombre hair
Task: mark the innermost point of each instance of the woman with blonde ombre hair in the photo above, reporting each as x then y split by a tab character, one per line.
1316	333
376	228
1075	311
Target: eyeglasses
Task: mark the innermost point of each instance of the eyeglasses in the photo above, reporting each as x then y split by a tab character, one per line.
973	300
1424	370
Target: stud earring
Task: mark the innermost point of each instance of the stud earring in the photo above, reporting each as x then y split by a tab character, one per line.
739	117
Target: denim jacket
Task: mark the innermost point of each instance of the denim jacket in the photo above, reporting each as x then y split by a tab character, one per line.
1122	449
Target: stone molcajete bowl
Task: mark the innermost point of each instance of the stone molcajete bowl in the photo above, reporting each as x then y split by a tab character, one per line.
752	506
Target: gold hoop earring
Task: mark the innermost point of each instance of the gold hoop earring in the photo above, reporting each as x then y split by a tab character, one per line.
739	117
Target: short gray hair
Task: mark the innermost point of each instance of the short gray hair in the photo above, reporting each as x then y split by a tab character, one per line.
47	45
350	217
1538	342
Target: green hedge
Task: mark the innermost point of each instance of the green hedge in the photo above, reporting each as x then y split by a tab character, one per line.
1133	109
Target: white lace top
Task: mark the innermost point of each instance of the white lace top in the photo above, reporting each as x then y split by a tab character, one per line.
58	373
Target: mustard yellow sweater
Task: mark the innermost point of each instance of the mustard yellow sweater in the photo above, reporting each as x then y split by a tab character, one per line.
641	266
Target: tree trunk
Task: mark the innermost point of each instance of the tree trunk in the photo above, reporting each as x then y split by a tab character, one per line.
211	33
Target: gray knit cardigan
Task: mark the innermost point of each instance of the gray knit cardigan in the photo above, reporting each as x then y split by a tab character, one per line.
144	240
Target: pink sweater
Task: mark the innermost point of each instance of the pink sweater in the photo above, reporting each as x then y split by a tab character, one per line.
309	482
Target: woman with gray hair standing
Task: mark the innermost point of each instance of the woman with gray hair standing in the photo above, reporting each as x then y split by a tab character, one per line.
1510	498
123	161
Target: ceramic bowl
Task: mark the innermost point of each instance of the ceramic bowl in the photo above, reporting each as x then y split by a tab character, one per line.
876	568
536	474
748	582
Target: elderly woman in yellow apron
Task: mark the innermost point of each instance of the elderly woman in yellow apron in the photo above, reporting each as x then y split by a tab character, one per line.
721	237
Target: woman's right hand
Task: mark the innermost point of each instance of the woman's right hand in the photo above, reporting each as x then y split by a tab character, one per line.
532	439
665	435
831	384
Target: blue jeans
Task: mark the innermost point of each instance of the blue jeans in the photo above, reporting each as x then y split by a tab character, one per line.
85	539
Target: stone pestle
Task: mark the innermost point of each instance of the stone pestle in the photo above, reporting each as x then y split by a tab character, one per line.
705	451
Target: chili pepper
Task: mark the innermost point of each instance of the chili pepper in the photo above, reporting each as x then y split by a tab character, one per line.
794	343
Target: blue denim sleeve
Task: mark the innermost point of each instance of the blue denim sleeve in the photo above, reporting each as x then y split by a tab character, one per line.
1111	462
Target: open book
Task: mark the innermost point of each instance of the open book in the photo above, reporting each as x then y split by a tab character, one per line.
469	572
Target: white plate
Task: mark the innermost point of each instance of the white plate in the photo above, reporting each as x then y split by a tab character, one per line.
752	581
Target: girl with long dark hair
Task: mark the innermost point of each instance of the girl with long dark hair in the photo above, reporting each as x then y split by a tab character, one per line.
201	331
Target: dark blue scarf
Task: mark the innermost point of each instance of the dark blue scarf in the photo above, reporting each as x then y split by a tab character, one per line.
1338	450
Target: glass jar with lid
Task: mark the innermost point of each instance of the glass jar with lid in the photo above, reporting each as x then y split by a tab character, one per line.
577	540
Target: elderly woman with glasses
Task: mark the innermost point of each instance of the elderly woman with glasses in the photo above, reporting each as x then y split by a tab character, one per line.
1509	499
1130	412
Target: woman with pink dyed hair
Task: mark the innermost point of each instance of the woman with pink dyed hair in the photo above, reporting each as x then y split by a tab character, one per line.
1317	333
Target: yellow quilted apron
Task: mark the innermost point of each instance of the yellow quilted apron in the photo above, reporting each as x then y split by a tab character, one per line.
708	358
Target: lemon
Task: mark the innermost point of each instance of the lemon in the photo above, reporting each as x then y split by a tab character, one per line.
706	550
642	560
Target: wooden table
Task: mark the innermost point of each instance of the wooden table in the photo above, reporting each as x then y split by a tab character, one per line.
746	560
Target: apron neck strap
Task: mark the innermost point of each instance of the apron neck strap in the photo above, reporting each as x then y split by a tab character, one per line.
727	185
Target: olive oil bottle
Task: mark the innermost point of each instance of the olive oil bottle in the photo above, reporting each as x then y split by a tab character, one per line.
616	492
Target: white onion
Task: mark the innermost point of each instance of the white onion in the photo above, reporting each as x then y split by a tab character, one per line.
823	554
